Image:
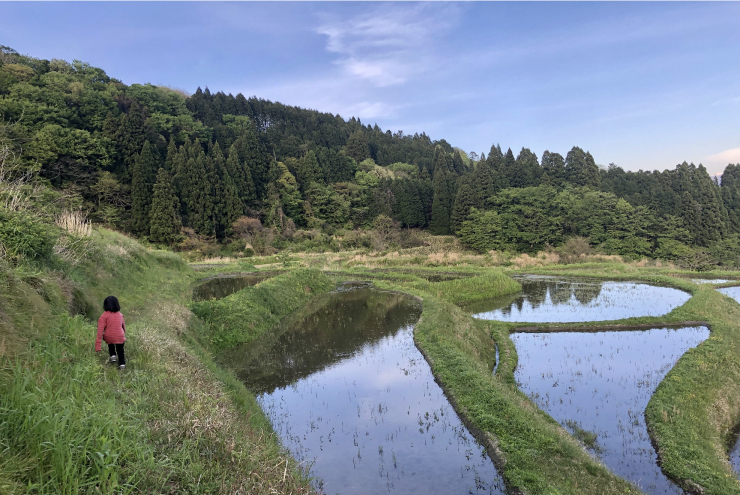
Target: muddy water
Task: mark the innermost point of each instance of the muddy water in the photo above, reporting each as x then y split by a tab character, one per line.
353	399
220	287
556	299
601	383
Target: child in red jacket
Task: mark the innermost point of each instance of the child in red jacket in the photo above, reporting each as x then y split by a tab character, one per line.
112	329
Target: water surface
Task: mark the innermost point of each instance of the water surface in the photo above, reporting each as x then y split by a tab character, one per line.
733	292
557	299
710	280
225	285
601	383
350	395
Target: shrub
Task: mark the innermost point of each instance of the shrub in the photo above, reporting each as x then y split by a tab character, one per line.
25	236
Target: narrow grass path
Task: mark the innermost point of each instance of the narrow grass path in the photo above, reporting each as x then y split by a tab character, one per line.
172	422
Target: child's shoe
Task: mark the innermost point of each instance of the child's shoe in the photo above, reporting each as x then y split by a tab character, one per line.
113	359
122	367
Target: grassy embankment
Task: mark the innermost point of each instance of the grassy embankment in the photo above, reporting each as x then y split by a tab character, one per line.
533	453
695	411
173	422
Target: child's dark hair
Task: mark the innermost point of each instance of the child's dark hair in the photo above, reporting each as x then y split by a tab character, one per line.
111	304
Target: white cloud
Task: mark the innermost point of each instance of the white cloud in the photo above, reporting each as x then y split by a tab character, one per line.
725	157
388	45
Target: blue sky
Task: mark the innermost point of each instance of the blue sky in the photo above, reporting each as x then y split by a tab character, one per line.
642	85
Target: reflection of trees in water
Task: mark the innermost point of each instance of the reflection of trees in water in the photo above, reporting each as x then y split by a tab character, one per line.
535	292
336	329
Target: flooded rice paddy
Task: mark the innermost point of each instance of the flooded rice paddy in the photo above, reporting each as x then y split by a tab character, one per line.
558	300
733	292
597	386
710	280
222	286
353	399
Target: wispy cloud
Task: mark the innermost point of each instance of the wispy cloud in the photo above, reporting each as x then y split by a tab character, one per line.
387	45
725	157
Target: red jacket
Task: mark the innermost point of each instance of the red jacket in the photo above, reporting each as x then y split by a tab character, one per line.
111	328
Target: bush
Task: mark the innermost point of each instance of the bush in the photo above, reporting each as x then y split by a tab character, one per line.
574	250
24	236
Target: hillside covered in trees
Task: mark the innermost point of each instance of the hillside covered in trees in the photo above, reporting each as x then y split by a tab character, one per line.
151	160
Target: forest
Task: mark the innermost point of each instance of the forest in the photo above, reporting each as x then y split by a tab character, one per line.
181	170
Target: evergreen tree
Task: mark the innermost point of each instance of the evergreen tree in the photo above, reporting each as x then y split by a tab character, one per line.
464	201
227	206
527	171
129	139
580	168
482	185
196	191
730	189
457	163
242	177
142	183
254	157
309	170
553	169
170	160
358	147
440	223
165	217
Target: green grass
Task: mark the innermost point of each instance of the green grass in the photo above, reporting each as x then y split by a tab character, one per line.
532	452
694	411
172	422
247	314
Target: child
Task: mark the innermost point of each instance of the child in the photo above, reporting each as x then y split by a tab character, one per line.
112	329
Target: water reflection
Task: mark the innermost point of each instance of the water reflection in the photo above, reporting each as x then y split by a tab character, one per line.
710	280
733	292
348	392
556	299
222	286
601	383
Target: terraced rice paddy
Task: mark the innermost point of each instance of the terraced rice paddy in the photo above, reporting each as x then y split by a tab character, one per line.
558	300
597	386
355	402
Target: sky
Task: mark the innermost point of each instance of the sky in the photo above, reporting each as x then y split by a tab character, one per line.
642	85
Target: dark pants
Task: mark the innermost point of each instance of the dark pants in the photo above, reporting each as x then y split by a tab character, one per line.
114	349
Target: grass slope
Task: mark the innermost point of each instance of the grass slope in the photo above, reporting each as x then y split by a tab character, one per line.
173	422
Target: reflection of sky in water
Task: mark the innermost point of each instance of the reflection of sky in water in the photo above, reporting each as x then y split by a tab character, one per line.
733	292
709	280
603	381
220	287
376	422
545	299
